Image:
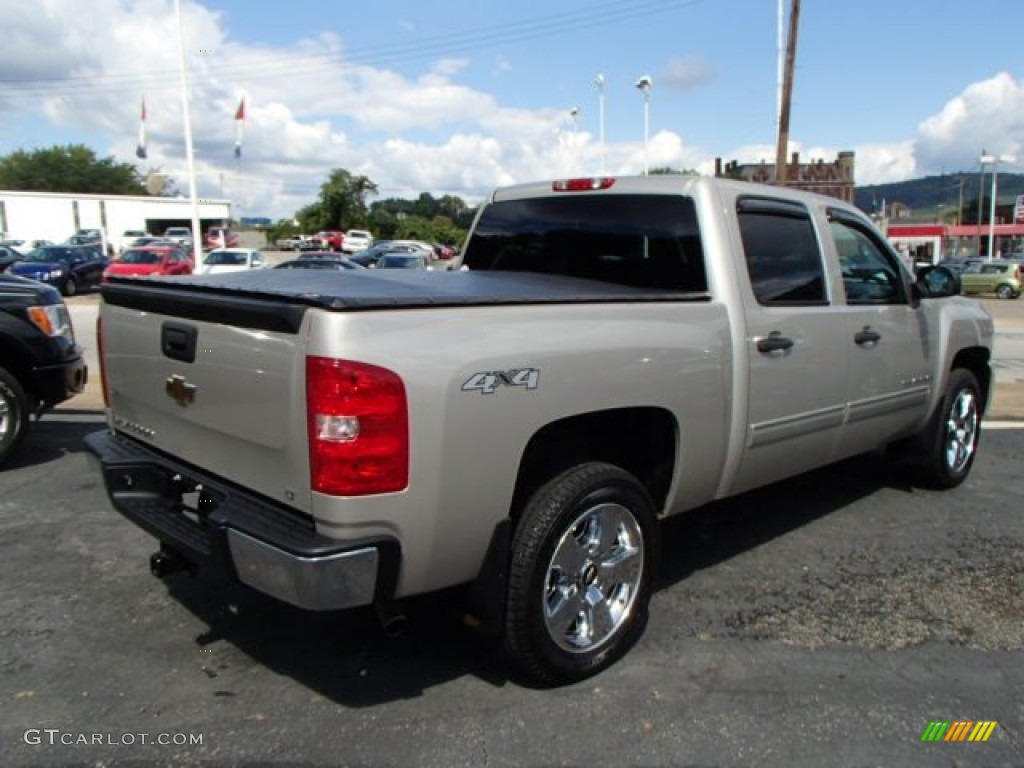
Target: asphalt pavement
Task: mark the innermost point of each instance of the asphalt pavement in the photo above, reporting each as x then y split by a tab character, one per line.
824	621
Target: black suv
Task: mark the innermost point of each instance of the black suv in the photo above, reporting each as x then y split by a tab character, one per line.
40	363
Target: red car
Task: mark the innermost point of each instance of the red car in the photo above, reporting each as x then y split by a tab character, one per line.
221	237
150	260
329	240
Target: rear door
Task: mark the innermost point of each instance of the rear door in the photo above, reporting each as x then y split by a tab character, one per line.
798	365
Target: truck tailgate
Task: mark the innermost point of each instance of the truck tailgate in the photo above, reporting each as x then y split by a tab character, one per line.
217	395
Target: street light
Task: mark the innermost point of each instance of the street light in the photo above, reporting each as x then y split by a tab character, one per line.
644	84
994	161
599	82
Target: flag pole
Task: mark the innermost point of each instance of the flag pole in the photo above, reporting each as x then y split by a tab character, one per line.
197	231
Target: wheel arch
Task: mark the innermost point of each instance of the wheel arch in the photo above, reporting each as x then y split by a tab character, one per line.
642	440
976	360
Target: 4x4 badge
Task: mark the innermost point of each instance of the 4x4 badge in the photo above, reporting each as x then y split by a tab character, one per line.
180	391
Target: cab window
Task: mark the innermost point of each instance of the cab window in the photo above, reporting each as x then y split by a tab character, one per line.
782	252
871	274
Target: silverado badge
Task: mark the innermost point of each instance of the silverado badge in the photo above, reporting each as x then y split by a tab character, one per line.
180	391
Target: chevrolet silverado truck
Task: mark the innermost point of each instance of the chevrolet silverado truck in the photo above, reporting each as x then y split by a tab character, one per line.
40	363
610	352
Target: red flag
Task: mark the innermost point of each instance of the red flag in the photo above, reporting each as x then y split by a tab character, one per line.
240	112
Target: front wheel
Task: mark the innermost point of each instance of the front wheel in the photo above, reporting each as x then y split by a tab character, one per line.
14	414
583	561
70	287
950	441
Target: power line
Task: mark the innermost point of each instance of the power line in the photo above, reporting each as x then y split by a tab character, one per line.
604	14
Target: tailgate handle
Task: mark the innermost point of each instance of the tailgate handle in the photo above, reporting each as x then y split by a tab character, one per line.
178	341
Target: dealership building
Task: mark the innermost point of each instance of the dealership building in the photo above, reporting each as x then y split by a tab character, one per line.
58	215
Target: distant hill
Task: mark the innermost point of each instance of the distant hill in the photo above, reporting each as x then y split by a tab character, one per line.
933	192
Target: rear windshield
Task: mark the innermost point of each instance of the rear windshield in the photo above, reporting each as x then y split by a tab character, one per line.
140	257
646	241
222	258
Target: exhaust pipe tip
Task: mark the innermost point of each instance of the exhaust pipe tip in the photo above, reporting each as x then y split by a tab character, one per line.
392	621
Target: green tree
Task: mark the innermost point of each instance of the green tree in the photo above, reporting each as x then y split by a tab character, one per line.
72	168
439	229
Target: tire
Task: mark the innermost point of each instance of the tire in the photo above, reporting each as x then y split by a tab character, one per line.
589	515
950	441
1004	291
70	287
15	409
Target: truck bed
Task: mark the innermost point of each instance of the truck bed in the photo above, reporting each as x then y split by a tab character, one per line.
276	299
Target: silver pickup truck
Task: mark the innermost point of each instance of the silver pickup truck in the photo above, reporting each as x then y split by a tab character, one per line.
612	351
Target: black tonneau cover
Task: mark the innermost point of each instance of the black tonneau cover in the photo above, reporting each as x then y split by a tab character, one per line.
275	299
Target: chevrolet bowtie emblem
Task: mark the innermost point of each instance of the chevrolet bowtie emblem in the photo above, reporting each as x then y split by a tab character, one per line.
180	391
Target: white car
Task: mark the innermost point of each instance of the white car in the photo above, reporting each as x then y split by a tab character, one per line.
25	247
221	260
180	235
356	240
425	248
128	238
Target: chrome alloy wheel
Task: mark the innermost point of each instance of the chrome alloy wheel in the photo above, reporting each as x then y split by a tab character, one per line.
6	419
961	430
593	578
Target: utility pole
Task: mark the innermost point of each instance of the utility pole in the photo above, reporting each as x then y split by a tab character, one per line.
781	169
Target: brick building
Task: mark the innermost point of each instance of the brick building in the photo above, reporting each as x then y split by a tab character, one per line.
835	179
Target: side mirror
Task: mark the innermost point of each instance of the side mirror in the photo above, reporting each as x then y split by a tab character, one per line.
938	282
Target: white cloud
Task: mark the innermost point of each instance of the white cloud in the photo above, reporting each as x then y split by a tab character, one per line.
987	115
882	163
311	110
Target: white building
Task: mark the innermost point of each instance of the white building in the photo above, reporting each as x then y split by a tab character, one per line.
58	215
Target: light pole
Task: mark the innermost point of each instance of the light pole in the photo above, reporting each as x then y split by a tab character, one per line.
644	84
599	82
994	161
574	114
197	231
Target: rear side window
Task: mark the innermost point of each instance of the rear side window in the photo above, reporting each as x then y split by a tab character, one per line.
782	252
644	241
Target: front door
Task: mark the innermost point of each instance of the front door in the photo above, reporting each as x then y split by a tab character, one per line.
891	357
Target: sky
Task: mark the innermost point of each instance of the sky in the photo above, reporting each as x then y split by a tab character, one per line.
460	96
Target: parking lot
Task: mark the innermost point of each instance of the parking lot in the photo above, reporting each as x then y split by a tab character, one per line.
825	620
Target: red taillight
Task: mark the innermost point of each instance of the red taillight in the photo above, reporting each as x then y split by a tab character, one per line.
358	428
582	185
103	364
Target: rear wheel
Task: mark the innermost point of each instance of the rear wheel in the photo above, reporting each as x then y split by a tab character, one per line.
1005	291
14	414
583	560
